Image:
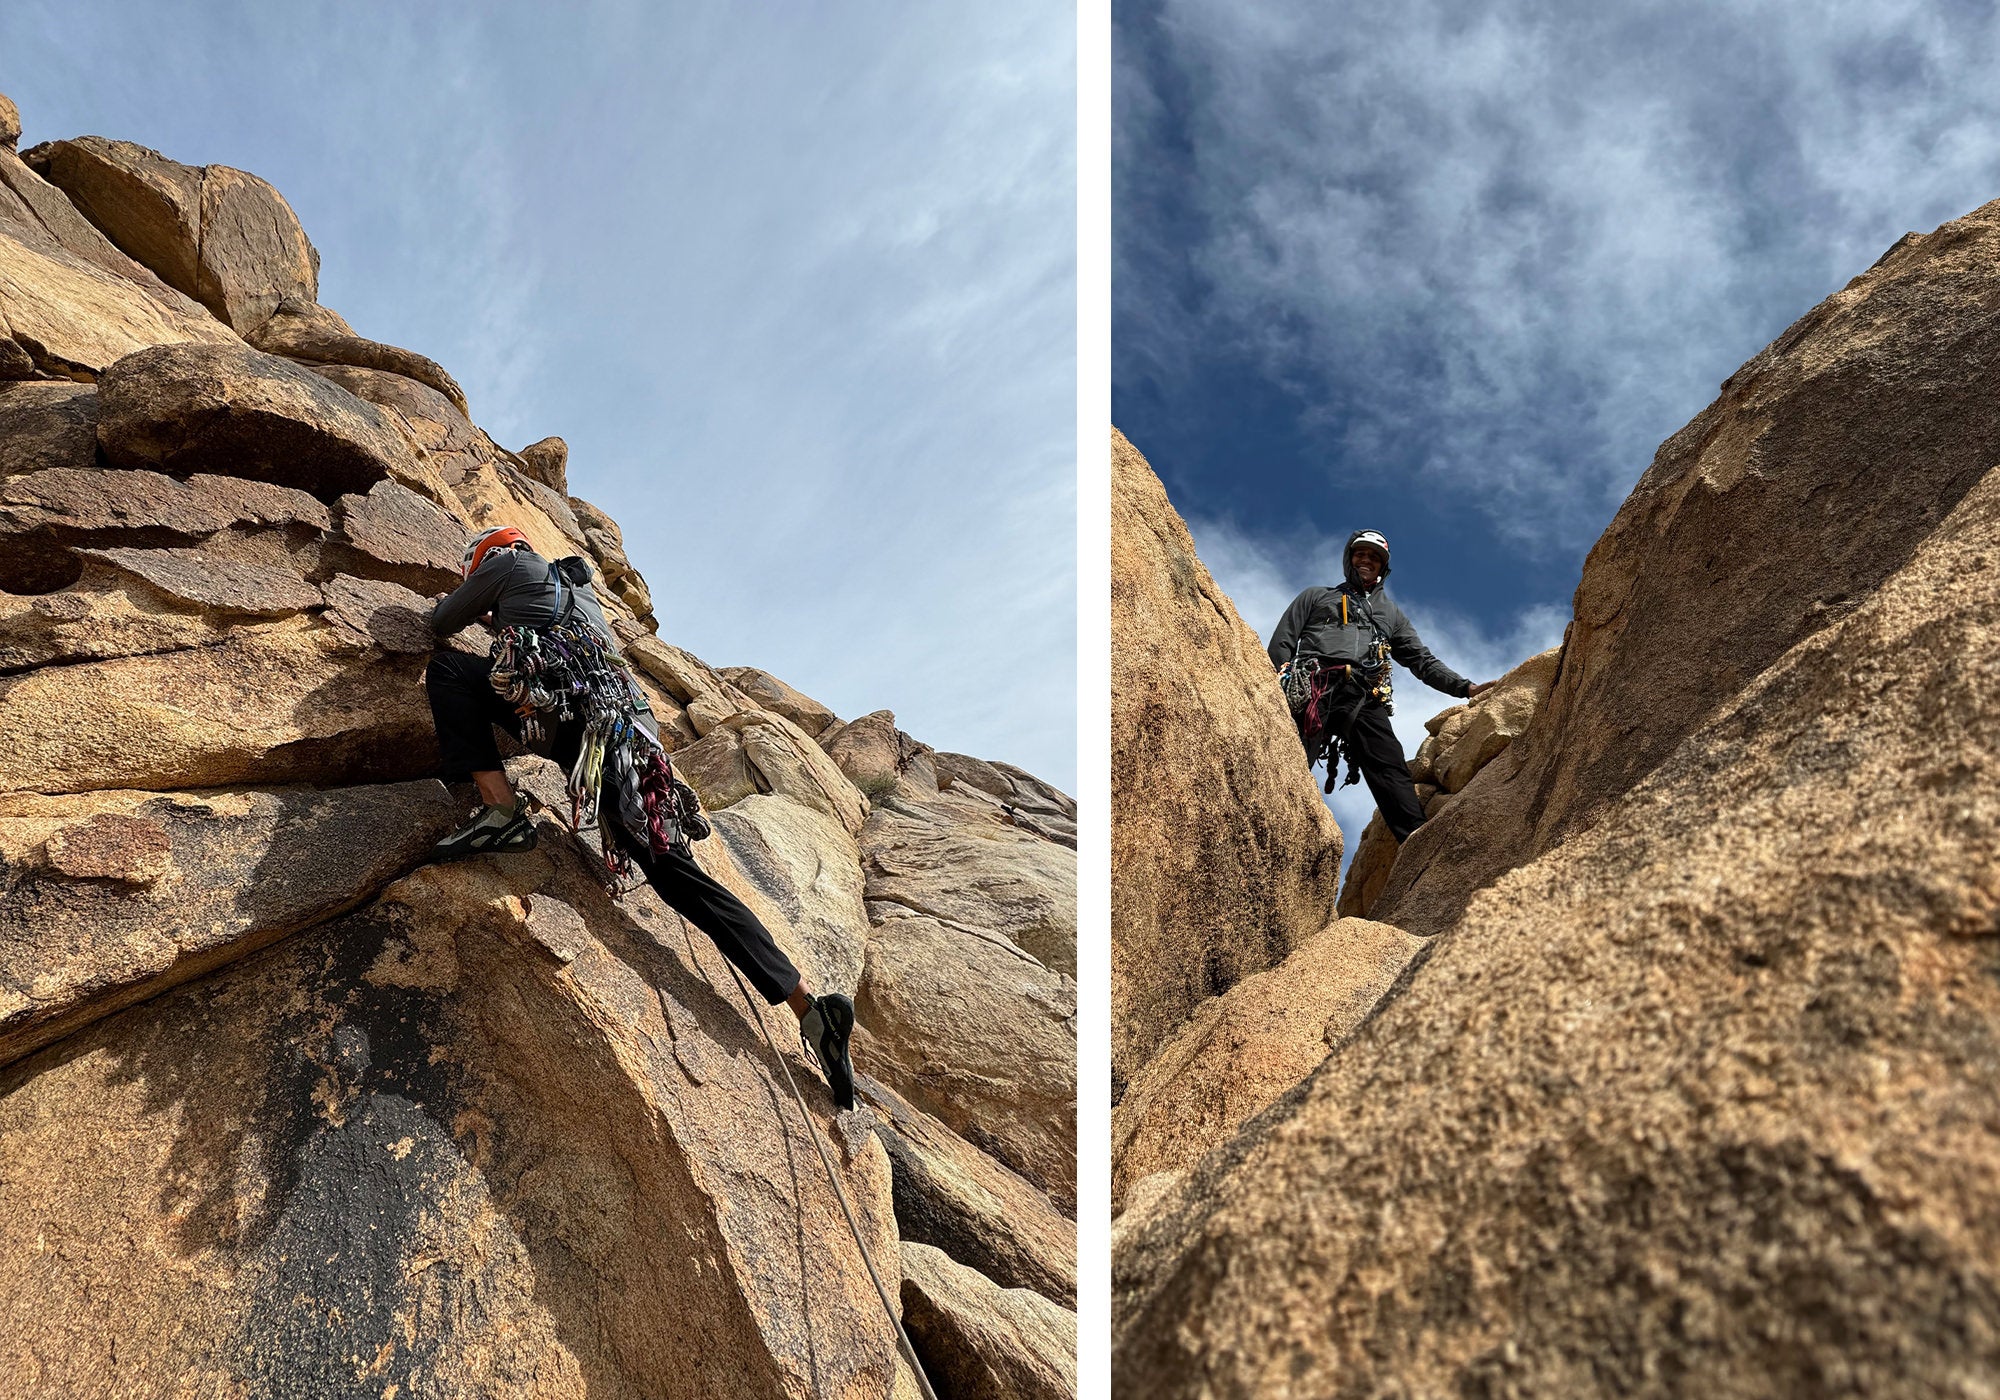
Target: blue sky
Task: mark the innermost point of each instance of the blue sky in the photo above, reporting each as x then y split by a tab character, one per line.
1455	271
796	283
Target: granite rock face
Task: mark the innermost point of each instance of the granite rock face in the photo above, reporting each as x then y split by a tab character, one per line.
1689	1090
1223	856
286	1110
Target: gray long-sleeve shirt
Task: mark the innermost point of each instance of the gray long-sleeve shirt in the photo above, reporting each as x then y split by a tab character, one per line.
514	585
1316	624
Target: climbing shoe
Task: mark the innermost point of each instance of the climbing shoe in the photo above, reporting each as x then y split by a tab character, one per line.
491	829
828	1022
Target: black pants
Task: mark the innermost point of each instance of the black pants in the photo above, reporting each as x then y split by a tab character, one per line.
1378	753
465	708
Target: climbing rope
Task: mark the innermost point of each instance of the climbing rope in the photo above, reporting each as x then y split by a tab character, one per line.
812	1131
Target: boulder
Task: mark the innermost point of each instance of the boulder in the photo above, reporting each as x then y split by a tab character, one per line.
1223	856
977	1034
149	206
41	217
953	861
717	768
413	539
974	773
92	505
1368	872
879	758
238	411
774	695
15	361
303	330
376	613
547	461
979	1341
47	425
951	1195
1495	720
804	863
197	578
1787	501
10	122
488	1124
74	318
219	235
1693	1096
112	897
444	445
279	702
1244	1049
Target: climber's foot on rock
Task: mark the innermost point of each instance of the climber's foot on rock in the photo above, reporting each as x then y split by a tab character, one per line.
492	829
827	1024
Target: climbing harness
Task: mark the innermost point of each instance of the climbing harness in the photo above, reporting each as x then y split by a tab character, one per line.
563	671
1317	692
812	1130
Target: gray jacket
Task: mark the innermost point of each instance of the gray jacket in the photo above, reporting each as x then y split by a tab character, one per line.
515	586
1313	626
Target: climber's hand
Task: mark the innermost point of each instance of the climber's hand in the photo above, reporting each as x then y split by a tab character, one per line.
1480	689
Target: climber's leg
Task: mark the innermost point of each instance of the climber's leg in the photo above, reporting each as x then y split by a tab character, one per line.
465	708
1379	754
825	1022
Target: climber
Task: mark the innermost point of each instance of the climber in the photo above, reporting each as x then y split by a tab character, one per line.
527	598
1332	649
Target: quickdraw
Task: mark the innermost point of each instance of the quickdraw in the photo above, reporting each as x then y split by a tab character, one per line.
563	672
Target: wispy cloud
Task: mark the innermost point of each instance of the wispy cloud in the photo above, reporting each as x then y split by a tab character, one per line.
1500	253
797	285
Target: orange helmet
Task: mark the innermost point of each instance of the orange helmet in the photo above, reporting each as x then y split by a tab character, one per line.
506	537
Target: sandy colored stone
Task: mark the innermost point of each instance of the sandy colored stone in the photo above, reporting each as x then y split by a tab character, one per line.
75	318
1777	510
219	235
952	1196
302	330
148	205
978	1035
1223	856
972	772
789	764
116	896
10	122
221	585
879	758
774	695
43	218
1462	741
417	540
956	861
804	862
514	1141
1495	720
277	703
47	425
375	612
1696	1099
979	1341
547	461
238	411
716	767
1368	872
444	445
1244	1049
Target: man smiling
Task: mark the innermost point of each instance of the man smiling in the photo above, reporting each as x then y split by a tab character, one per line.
1332	649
